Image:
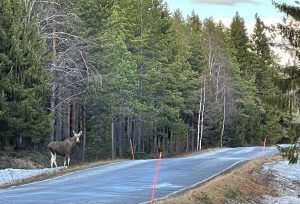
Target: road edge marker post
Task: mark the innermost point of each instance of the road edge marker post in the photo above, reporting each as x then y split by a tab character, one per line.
156	177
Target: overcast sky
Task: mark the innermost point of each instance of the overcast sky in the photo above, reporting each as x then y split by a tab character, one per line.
226	2
226	9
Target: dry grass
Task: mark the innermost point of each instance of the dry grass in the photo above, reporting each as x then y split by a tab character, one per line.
238	186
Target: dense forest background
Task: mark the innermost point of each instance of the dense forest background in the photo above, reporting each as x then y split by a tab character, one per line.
131	72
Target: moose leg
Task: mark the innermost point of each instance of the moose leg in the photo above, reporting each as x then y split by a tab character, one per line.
65	161
55	160
68	160
52	160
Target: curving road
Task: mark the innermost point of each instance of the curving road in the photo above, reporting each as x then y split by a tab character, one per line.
131	181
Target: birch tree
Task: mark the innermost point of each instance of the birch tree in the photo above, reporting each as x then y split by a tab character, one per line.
199	120
202	113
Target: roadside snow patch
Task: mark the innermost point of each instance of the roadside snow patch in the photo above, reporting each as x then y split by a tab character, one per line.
286	183
8	176
284	169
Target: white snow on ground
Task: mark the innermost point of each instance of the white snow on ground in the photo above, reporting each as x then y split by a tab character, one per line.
286	183
285	170
8	176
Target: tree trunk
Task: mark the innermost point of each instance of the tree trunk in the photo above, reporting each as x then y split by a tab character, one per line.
58	124
218	83
53	83
187	139
72	118
119	135
66	121
129	132
193	137
113	154
202	119
210	57
83	132
154	144
224	117
199	120
52	110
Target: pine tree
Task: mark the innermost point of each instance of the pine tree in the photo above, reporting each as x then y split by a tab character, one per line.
24	84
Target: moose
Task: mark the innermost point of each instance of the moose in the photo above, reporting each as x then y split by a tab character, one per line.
63	148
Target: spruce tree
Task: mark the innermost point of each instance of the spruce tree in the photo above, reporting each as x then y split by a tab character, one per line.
197	58
240	40
288	100
185	48
24	84
265	71
264	66
248	128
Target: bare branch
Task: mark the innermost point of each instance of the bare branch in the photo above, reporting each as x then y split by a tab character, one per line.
66	99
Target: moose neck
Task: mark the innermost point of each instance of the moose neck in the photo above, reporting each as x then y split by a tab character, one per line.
72	142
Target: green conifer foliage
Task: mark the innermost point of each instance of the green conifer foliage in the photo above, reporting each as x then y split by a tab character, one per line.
24	84
265	71
246	126
197	58
289	84
240	41
264	67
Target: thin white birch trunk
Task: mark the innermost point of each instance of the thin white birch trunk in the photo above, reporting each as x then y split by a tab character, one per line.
199	120
218	81
209	57
112	139
202	116
224	117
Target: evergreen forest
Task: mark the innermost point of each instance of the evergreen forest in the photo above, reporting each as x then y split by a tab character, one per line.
133	74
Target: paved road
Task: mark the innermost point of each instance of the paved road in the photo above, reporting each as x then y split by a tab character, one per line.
130	182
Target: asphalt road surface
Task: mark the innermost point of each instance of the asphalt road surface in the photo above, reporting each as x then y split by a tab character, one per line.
131	182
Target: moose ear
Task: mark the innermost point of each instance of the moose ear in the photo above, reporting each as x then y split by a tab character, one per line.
80	133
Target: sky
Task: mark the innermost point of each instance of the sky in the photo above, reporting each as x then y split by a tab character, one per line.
225	10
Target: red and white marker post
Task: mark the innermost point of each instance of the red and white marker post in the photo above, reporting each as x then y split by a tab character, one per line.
156	176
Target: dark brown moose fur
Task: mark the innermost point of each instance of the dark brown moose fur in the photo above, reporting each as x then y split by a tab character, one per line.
63	148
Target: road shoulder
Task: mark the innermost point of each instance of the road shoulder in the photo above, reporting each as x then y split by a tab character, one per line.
253	182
